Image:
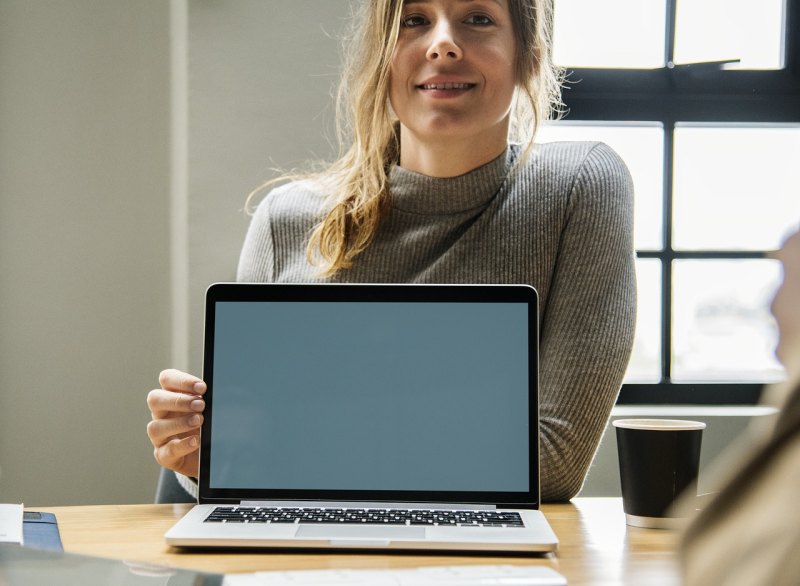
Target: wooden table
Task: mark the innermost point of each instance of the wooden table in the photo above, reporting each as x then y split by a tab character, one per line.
596	547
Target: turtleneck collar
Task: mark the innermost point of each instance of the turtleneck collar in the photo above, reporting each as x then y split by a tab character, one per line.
420	194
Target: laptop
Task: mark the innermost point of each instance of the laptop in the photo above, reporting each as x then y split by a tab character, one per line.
397	417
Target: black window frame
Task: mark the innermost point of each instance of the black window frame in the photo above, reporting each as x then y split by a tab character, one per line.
695	93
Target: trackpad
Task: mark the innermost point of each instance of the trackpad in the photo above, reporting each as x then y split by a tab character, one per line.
366	532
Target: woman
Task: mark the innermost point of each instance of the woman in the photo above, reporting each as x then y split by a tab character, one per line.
442	183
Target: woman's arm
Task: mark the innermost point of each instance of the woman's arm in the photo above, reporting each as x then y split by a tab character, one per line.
588	323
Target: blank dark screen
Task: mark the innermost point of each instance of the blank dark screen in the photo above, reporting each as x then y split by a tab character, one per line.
370	396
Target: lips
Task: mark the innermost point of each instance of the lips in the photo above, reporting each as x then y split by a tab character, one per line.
446	86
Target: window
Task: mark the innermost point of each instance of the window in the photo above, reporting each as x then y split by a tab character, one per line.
702	100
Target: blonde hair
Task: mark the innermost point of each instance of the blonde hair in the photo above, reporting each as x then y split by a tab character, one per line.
358	179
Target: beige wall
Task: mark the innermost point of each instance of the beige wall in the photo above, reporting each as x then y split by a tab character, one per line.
131	132
84	246
260	80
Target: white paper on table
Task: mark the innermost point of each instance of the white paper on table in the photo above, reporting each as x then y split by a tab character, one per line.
426	576
11	524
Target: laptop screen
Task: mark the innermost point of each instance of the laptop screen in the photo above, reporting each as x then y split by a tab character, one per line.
369	391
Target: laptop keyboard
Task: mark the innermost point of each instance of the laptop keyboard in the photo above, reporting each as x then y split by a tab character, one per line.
433	517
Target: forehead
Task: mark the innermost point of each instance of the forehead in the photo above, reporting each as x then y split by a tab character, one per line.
501	3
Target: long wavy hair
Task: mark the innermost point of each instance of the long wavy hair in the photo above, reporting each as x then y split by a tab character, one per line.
368	131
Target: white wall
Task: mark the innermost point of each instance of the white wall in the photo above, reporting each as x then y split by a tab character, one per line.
84	246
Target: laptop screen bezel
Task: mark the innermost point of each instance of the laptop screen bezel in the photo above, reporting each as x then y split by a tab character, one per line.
251	292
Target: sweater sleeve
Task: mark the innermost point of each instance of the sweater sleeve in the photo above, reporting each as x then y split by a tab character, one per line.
188	484
588	322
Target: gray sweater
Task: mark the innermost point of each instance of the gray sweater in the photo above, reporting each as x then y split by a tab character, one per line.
562	222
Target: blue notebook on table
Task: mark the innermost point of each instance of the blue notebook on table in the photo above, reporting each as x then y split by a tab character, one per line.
40	531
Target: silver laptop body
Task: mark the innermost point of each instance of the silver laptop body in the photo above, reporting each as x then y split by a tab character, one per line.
370	416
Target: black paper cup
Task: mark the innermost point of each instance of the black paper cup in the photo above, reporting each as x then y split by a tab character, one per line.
658	461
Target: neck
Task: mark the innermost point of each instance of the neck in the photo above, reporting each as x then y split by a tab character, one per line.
446	158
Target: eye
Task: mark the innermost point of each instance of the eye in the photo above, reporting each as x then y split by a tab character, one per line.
413	20
479	20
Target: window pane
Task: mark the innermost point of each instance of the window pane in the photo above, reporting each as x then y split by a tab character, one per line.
735	188
716	30
609	33
722	329
641	147
645	365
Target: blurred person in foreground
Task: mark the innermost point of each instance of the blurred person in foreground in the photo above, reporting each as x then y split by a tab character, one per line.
749	534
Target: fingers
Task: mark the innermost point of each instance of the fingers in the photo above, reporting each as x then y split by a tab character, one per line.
162	431
180	455
169	404
175	442
177	416
182	382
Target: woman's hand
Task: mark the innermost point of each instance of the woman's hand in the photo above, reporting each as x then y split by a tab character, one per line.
174	431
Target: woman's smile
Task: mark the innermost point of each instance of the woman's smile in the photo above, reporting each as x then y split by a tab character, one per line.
440	88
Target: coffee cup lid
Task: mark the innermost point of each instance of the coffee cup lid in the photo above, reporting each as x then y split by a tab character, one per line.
659	424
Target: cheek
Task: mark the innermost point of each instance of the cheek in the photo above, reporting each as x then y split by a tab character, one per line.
395	99
398	74
501	68
402	58
395	80
785	309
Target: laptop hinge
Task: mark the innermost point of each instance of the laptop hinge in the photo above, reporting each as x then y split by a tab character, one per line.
368	505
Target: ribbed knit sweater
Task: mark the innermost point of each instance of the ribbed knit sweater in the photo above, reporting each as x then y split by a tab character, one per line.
561	222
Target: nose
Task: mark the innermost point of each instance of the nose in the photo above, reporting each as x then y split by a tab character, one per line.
443	44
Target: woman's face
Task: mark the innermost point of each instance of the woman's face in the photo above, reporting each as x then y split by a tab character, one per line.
785	307
452	74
